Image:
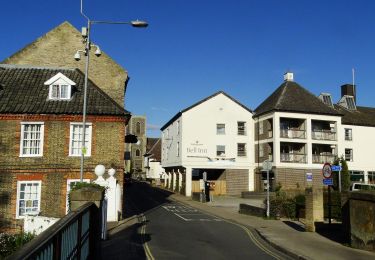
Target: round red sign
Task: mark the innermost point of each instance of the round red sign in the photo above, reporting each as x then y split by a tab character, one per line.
327	171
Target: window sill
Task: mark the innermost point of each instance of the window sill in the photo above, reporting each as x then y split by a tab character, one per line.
31	156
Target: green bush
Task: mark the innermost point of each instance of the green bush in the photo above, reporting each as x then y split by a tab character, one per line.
283	206
10	243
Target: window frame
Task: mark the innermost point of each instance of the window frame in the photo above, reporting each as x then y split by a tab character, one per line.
39	190
217	150
244	150
217	129
239	130
178	149
59	92
137	153
87	137
351	159
41	141
350	138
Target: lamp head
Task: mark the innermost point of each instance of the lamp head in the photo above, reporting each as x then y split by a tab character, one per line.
139	24
98	52
77	56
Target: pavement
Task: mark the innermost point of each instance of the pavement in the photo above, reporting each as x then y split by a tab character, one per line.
285	235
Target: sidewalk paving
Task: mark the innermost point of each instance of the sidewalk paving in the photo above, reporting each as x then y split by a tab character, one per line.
287	236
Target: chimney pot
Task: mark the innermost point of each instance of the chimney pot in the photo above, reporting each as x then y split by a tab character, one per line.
288	76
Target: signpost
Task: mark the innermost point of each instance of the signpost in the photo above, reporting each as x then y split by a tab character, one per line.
337	168
328	181
267	166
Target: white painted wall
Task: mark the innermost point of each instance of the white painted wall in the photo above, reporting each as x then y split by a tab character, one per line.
363	142
198	138
155	170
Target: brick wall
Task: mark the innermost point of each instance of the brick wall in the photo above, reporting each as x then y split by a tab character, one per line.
237	181
57	48
290	178
55	167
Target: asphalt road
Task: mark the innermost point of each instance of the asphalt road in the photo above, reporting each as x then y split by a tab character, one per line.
171	230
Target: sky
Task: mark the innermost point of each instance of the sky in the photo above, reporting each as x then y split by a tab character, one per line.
194	48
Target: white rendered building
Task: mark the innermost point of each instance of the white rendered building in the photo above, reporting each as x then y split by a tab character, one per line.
213	137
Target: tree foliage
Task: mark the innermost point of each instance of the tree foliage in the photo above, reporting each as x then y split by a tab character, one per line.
345	176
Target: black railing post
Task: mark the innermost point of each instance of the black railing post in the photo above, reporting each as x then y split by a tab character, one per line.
79	236
57	246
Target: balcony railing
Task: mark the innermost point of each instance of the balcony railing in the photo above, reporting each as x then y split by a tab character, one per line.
323	135
328	158
293	133
293	157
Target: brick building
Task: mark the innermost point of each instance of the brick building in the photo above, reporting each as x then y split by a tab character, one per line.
57	48
40	138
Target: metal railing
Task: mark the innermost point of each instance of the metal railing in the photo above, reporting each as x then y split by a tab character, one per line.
293	133
323	135
293	157
323	158
75	236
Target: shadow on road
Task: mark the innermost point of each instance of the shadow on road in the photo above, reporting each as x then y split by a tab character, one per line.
139	197
294	225
333	231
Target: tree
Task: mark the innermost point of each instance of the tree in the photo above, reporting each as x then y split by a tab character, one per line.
345	176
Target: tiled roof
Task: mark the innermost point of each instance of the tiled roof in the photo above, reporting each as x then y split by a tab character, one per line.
153	148
200	102
291	97
363	116
24	92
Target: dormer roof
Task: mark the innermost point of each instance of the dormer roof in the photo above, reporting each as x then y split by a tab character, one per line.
59	77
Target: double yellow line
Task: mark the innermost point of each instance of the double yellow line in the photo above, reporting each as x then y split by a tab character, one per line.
143	235
255	240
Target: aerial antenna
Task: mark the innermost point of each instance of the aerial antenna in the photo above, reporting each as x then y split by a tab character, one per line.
353	75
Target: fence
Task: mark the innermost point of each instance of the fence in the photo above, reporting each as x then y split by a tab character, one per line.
75	236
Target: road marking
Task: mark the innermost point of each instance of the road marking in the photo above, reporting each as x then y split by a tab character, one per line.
189	214
256	241
143	235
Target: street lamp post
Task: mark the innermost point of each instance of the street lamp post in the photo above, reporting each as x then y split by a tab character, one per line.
86	51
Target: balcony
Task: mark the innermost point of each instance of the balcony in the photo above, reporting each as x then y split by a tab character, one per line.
293	133
323	135
293	157
323	158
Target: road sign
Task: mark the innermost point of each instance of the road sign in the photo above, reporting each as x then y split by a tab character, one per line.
309	176
328	182
327	171
267	165
336	168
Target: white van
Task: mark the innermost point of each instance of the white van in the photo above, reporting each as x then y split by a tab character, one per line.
361	186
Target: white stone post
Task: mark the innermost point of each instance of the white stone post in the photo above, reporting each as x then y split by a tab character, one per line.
113	196
174	181
179	180
188	182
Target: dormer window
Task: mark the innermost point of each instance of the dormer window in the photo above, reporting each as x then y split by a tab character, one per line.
348	102
60	87
326	98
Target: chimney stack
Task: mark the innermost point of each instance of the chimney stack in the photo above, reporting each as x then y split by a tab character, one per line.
288	76
349	90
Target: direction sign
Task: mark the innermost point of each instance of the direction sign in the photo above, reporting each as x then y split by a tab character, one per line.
328	182
327	171
267	165
336	168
